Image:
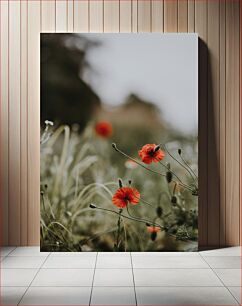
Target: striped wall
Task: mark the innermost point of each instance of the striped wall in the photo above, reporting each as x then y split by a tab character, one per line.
217	23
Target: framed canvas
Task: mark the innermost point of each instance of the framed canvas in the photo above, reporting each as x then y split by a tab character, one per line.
119	142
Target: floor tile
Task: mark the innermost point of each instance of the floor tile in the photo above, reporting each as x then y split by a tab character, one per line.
169	262
70	262
64	277
231	251
231	262
73	254
113	262
114	254
17	277
11	295
23	262
28	251
175	277
113	296
4	251
57	296
184	296
166	254
113	277
230	277
236	292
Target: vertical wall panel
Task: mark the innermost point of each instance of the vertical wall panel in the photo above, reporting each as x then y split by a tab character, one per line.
170	15
33	121
222	121
201	29
183	15
111	16
96	16
81	16
23	124
191	16
125	16
61	15
213	123
144	16
70	15
134	19
4	130
232	122
14	121
48	16
217	23
157	20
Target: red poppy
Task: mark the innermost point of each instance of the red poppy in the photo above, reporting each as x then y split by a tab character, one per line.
151	153
104	129
125	195
153	229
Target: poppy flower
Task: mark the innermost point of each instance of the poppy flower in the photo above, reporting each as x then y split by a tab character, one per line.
153	229
104	129
125	195
151	153
130	164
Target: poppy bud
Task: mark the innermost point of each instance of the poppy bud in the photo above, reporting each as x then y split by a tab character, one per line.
153	236
130	182
42	192
157	148
114	146
168	165
92	206
120	183
159	211
168	176
179	151
46	186
147	224
173	200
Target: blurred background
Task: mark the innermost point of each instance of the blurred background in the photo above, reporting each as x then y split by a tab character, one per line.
128	89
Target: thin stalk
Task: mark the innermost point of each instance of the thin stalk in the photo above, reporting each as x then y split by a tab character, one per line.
178	162
140	164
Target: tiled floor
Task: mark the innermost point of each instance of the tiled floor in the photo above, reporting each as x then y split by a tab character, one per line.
29	277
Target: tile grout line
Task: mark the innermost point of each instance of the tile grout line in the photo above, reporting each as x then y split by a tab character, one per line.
33	278
220	280
90	299
135	295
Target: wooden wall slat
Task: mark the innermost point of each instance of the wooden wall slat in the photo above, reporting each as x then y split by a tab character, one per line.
23	125
96	16
125	16
213	123
34	23
134	19
232	122
191	16
201	29
61	16
111	16
222	122
14	121
4	114
144	16
81	16
70	15
182	16
48	16
217	24
171	15
157	13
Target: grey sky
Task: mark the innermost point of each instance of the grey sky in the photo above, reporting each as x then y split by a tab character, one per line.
161	68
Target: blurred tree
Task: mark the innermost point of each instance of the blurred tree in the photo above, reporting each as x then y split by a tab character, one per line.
65	97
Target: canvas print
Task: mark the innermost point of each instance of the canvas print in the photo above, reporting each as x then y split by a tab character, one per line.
119	142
